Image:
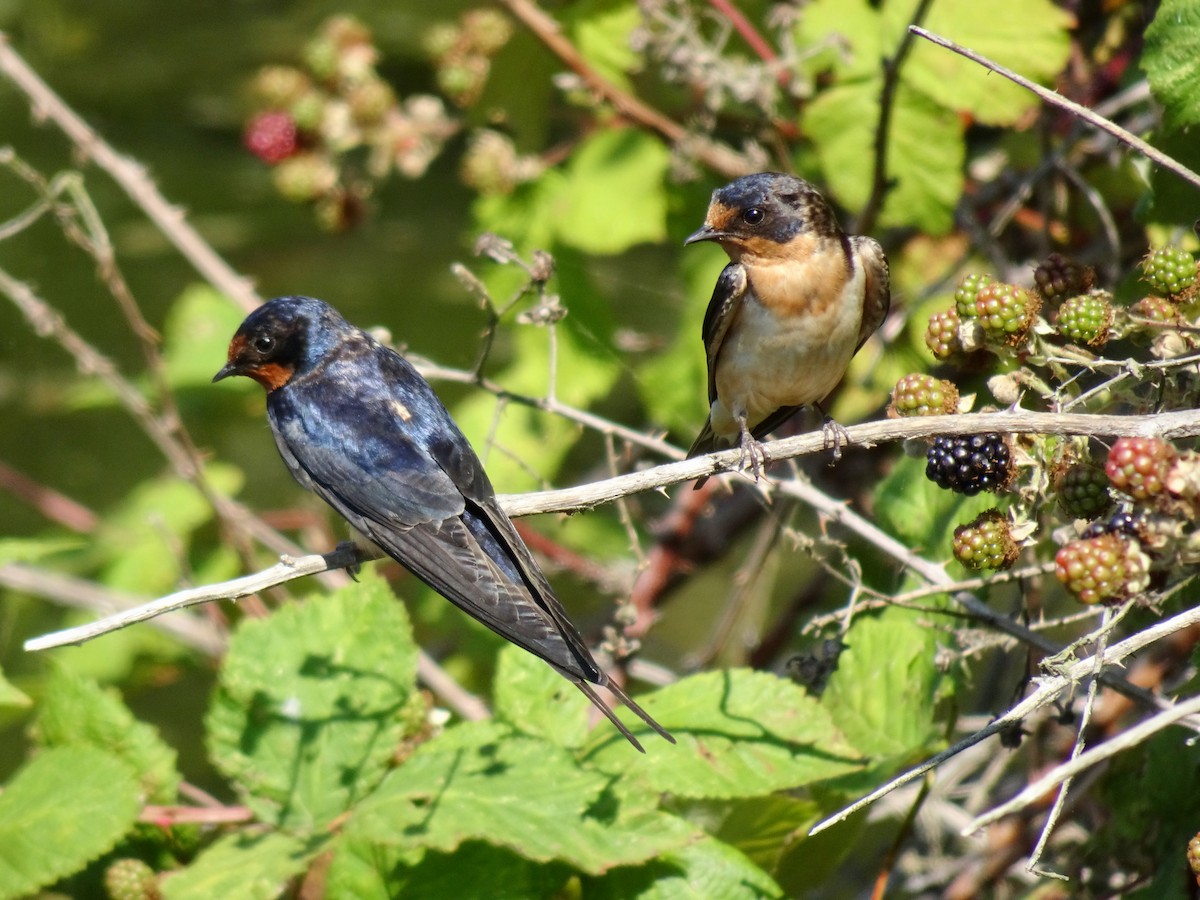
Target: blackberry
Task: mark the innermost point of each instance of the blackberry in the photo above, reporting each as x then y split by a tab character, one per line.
968	465
1156	310
968	289
1140	466
1058	277
1170	270
271	136
1086	319
941	337
1120	523
1110	567
305	177
1082	491
923	395
986	542
1005	311
130	879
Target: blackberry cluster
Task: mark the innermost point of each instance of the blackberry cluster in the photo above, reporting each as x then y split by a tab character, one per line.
986	542
923	395
1058	277
1170	270
941	337
1140	466
968	465
1082	491
1110	567
1005	311
1086	319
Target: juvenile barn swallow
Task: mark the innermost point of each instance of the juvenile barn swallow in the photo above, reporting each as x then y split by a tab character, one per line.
796	302
358	426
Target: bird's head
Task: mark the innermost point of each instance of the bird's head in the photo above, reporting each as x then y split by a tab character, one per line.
760	214
283	337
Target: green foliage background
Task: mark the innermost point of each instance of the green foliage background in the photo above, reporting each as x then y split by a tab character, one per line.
308	725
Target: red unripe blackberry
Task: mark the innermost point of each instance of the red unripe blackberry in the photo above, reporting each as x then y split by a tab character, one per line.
986	542
271	136
919	394
1110	567
1139	466
1005	311
941	337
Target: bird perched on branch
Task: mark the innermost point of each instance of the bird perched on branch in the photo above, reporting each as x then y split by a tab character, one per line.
357	425
796	302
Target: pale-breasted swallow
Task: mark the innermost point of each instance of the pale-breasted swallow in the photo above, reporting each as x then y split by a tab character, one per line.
795	303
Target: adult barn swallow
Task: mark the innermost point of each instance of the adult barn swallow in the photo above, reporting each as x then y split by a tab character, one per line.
358	426
796	302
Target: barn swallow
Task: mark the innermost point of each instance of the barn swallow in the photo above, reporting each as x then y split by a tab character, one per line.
795	303
359	427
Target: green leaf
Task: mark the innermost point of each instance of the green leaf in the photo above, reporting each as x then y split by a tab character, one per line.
196	335
883	693
479	781
537	701
75	711
912	508
1171	62
616	193
368	871
602	32
12	697
311	703
243	866
760	827
26	550
740	734
925	153
59	812
1032	38
703	870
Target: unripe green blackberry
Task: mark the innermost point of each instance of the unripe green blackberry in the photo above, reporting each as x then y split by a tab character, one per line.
486	30
1156	309
131	879
1109	567
279	86
321	57
309	110
919	394
1140	466
304	177
968	289
369	101
1085	319
1169	270
1058	277
986	542
1193	856
941	337
1005	311
1082	491
440	39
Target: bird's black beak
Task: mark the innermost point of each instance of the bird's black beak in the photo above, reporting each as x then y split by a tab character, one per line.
226	370
705	233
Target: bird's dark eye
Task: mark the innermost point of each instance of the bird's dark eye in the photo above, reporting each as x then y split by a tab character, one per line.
264	343
753	216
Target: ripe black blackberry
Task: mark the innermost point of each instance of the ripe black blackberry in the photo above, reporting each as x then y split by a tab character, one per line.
968	465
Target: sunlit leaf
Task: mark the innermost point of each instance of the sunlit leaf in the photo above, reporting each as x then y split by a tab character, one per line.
1171	62
311	703
708	868
245	865
59	812
741	734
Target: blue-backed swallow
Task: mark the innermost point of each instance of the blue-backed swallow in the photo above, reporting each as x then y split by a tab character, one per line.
795	303
357	425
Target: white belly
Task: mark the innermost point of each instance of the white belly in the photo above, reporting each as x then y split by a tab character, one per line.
766	363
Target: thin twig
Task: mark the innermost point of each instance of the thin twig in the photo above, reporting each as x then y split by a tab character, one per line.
131	176
1098	754
1059	100
716	156
887	101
